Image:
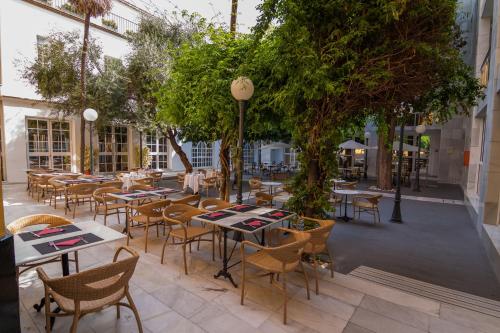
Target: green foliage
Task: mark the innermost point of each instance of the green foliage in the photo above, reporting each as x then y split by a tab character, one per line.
146	157
110	24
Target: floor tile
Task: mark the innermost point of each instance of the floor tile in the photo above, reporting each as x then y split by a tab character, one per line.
380	324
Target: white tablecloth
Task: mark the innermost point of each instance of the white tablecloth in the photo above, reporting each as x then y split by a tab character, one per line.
193	180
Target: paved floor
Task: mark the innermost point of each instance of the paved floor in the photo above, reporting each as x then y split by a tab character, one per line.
169	301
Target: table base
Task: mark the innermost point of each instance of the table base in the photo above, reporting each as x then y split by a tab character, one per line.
224	271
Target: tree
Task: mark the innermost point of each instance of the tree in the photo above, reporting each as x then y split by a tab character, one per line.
338	61
89	8
148	67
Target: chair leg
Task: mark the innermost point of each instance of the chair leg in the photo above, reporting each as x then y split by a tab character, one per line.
332	263
242	281
76	318
74	208
118	216
213	245
315	265
146	241
117	311
285	298
77	264
306	279
185	260
134	309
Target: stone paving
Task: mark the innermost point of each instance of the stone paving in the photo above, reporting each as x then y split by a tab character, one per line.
170	301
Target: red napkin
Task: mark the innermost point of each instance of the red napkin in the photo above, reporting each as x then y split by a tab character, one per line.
278	214
216	214
69	242
49	231
255	223
240	207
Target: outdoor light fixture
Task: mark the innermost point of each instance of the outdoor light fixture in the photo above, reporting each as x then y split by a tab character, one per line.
367	137
420	129
90	115
242	91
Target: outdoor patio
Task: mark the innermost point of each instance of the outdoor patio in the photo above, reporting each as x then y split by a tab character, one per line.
169	300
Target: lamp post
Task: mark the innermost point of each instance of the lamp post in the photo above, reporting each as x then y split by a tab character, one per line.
367	136
90	115
242	91
420	129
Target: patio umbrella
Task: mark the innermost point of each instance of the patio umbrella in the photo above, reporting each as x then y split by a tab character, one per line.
406	147
351	144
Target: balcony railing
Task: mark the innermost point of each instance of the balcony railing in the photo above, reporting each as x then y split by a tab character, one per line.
110	21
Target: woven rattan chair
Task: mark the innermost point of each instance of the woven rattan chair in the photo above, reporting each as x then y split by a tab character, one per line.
47	220
191	200
148	215
212	204
180	178
139	187
279	260
207	183
177	218
144	181
116	184
157	176
42	186
79	193
347	185
318	245
264	199
91	291
255	186
367	203
57	189
107	205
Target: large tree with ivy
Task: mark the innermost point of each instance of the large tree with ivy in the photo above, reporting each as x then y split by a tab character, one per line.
337	61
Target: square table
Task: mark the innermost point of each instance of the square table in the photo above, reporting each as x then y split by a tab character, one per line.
238	221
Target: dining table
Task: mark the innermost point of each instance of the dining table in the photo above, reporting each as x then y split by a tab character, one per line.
346	193
39	243
271	185
246	219
193	180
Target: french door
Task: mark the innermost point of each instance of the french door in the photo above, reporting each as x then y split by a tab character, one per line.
48	144
113	149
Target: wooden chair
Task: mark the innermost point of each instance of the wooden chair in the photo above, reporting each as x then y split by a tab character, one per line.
318	244
149	214
157	176
107	205
116	184
336	200
264	199
91	291
40	219
77	192
178	217
213	204
41	185
139	187
207	183
144	181
281	260
347	185
180	178
191	200
255	186
57	189
367	203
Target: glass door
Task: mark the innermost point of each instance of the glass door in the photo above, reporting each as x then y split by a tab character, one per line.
113	149
48	144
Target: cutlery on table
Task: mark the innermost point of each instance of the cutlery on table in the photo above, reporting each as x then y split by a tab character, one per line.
54	245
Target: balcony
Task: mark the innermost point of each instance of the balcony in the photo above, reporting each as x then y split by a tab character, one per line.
109	22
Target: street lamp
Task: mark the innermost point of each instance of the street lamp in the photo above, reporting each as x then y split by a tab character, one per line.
367	136
90	115
242	91
420	129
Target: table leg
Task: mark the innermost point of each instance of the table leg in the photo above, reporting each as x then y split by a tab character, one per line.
263	238
345	217
224	272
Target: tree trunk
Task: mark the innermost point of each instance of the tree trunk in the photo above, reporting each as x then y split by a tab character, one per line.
384	155
313	173
171	134
83	89
234	15
225	161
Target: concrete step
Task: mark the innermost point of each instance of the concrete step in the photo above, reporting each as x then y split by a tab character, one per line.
438	293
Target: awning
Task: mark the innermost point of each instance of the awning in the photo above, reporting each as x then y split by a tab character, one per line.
406	147
351	144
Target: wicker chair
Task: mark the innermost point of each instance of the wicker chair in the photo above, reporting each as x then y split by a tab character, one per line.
116	184
91	291
79	193
148	215
178	218
367	203
40	219
107	205
278	260
255	186
180	178
347	185
207	183
139	187
317	244
213	204
157	176
41	185
191	200
264	199
57	189
144	181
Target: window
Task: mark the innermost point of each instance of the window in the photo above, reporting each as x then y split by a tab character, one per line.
113	149
158	150
290	157
481	155
48	144
248	154
201	155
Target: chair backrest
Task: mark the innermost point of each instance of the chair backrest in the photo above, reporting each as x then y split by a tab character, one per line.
38	219
116	184
320	235
153	209
179	214
83	286
180	177
139	187
156	175
209	181
375	199
191	200
82	189
213	204
348	185
54	181
145	181
254	183
292	251
100	194
263	197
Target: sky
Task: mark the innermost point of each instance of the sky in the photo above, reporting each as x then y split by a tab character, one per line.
247	13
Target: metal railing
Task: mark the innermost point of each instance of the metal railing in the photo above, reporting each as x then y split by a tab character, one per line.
109	21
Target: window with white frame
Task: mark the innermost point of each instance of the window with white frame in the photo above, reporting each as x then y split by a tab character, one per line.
48	144
158	150
248	153
113	149
290	157
201	154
